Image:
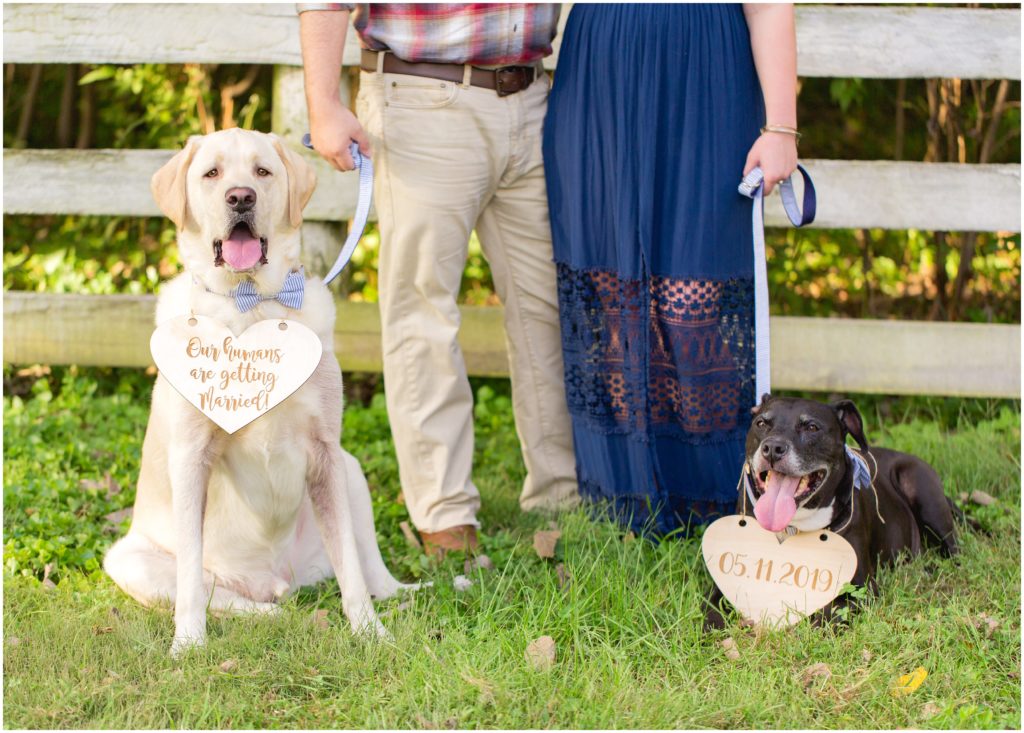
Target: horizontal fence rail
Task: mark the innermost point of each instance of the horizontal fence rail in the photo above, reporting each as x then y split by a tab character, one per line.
852	193
821	354
871	42
842	355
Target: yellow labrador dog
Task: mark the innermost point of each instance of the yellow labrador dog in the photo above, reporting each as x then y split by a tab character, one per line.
235	522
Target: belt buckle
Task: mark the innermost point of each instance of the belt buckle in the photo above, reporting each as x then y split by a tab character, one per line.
509	80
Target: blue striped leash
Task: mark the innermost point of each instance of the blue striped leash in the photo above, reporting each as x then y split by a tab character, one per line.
752	186
365	167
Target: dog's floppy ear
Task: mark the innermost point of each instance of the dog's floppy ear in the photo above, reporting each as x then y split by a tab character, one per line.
757	408
851	422
301	180
168	183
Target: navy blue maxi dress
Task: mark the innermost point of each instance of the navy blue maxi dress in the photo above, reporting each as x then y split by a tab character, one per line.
653	111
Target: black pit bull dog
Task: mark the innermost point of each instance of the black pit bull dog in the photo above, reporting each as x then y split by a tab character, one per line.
800	476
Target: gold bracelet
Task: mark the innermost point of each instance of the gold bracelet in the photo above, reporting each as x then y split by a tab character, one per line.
784	129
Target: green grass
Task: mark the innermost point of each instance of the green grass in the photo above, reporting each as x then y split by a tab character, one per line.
627	626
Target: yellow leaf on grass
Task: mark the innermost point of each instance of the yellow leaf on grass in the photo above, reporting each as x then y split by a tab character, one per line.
909	682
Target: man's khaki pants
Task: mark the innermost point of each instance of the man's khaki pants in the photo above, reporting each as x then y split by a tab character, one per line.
449	158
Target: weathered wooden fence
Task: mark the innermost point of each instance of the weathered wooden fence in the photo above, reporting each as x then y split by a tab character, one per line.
808	353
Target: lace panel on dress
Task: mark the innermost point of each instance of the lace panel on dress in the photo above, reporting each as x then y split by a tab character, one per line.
658	356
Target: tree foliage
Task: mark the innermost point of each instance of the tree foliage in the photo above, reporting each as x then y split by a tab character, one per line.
862	272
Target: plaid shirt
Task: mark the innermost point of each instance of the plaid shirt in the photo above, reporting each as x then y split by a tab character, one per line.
484	34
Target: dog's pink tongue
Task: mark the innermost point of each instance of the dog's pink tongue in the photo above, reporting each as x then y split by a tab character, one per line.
776	508
242	250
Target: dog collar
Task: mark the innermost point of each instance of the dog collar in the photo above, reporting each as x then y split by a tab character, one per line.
247	297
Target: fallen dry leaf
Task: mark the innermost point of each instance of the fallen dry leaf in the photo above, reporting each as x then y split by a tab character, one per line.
540	653
410	536
980	497
930	710
544	542
564	577
401	498
819	672
629	537
107	482
49	584
47	569
425	724
479	562
985	623
228	665
866	655
962	496
485	688
97	630
909	682
319	618
731	652
114	519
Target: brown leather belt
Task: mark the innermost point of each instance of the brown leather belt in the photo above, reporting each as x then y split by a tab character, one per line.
505	81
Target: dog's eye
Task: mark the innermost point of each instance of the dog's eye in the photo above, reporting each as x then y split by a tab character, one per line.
262	172
212	173
810	427
760	422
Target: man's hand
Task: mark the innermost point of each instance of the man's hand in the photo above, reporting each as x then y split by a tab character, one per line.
332	130
332	126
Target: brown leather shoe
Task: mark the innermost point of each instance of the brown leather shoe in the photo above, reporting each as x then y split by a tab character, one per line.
437	544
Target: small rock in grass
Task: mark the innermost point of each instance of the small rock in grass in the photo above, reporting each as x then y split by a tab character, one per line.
540	653
228	665
816	672
731	652
461	583
544	542
980	497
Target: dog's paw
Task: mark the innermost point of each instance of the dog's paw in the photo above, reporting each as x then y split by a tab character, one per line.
373	630
183	644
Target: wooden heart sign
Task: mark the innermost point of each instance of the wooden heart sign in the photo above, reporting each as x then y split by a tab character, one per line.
234	379
772	583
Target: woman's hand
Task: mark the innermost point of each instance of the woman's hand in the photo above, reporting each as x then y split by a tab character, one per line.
775	154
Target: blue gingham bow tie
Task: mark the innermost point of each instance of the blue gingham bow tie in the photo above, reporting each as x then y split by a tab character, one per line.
247	297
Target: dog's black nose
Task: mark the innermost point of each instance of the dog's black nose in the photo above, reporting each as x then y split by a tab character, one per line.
773	450
240	199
